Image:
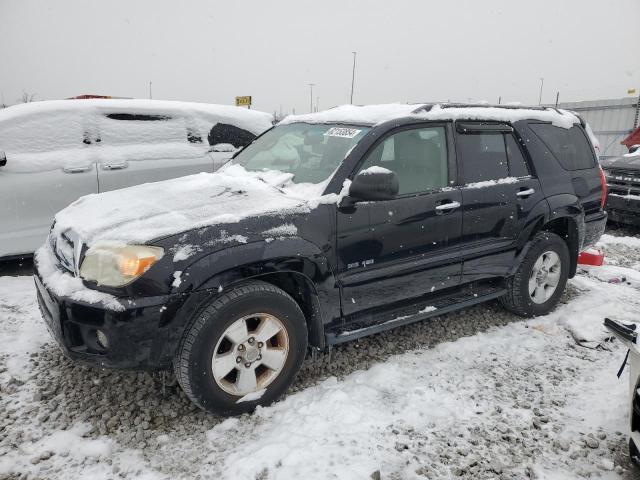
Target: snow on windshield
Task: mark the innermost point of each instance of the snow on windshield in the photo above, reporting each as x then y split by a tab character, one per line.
310	153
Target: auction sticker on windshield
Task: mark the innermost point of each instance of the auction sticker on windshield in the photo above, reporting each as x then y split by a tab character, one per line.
342	132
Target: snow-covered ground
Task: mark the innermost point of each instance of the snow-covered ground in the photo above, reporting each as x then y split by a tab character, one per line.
476	394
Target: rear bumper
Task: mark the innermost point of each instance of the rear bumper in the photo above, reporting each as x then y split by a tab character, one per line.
623	209
594	226
140	337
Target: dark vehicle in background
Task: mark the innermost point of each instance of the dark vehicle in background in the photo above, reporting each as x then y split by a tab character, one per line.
422	210
623	182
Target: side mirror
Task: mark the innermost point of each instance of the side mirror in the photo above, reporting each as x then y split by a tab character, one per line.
3	159
374	183
632	149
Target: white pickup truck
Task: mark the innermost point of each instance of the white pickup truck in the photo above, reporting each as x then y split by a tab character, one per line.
628	335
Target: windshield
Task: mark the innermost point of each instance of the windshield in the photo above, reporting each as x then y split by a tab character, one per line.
311	152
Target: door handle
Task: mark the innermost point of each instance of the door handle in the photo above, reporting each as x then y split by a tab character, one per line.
445	207
79	169
114	166
526	193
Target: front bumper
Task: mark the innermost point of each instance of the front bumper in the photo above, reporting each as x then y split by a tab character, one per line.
623	209
143	336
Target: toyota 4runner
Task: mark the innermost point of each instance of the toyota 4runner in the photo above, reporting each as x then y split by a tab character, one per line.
326	228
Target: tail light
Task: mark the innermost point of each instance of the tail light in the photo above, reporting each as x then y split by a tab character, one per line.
603	183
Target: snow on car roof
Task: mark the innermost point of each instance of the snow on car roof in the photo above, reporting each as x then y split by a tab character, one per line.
251	120
376	114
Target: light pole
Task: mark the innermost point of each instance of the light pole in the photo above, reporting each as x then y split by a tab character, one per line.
541	85
150	96
311	97
353	75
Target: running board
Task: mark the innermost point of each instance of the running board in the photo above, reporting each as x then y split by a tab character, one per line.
427	312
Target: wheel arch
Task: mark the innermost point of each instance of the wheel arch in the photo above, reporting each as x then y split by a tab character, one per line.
306	277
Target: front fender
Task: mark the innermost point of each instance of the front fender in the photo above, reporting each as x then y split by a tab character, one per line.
220	270
241	262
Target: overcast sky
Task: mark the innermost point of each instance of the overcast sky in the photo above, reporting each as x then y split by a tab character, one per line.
408	51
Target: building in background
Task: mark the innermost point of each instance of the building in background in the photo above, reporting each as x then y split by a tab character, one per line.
612	121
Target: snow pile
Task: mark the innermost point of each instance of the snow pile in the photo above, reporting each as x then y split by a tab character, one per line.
142	213
490	183
286	230
375	114
354	114
185	251
374	169
633	242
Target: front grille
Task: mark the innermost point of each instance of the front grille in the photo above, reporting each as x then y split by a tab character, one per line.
623	182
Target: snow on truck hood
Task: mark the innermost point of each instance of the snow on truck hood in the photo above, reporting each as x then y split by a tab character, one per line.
142	213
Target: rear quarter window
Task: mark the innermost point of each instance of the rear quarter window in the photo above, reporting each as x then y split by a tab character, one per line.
568	145
223	133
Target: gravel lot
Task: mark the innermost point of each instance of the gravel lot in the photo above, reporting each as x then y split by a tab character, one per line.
130	426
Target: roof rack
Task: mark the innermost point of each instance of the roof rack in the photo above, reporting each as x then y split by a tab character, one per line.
428	106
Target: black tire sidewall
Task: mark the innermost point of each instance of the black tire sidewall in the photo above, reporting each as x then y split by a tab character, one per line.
204	388
546	242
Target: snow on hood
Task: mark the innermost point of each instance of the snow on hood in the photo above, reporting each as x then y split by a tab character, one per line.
142	213
375	114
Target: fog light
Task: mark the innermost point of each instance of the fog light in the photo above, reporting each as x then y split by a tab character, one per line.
103	341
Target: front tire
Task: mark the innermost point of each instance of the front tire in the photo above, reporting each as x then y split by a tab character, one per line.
242	349
540	281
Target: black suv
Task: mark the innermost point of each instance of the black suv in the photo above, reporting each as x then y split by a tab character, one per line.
326	228
623	181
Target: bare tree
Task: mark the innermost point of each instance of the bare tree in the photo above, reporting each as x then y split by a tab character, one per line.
27	97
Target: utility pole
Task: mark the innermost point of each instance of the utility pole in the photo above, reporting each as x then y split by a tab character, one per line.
311	96
353	75
557	98
150	96
317	103
541	85
499	100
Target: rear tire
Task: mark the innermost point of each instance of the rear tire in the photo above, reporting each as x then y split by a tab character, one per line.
540	281
242	349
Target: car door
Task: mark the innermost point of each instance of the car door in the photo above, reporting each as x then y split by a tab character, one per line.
135	148
404	248
48	167
498	194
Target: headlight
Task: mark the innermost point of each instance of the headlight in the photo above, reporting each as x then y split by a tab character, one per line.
116	266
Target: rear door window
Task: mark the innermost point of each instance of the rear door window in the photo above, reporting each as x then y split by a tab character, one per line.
517	163
482	156
568	145
224	134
